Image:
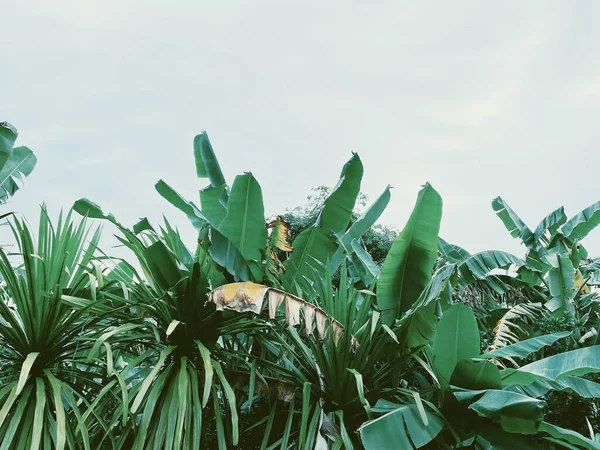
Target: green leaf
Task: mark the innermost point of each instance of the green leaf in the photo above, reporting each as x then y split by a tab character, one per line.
418	325
401	428
525	348
8	136
479	266
573	363
192	212
456	338
212	207
244	224
476	374
19	164
364	264
408	266
452	253
162	264
580	225
513	223
580	386
367	219
25	369
569	436
550	224
317	244
310	245
359	228
337	208
88	208
561	279
515	412
207	165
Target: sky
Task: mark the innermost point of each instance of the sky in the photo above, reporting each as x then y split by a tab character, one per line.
480	99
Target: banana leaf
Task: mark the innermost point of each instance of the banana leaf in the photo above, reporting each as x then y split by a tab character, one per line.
409	264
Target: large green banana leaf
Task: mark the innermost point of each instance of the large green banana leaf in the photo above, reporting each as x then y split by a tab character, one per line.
561	281
207	165
8	136
338	206
318	243
549	225
244	224
513	223
408	266
573	363
20	163
580	386
516	413
456	338
525	348
403	427
581	224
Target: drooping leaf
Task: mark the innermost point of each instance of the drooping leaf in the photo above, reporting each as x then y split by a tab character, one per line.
244	224
408	266
250	297
192	212
525	348
401	427
572	363
279	234
480	265
452	253
513	223
569	436
516	413
580	386
207	165
581	224
456	338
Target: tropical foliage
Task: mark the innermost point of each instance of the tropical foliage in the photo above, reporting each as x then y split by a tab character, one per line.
247	338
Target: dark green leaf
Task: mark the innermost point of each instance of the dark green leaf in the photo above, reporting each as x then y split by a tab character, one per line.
408	266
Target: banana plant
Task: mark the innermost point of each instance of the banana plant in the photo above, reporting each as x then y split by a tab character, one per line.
474	402
232	227
554	252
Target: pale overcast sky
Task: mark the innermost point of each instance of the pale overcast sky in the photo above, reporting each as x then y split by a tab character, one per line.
479	98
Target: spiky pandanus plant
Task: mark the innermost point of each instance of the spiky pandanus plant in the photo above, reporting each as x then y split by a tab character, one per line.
47	378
